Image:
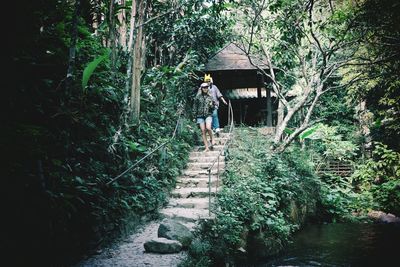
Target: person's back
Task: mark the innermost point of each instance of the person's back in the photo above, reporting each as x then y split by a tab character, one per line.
215	93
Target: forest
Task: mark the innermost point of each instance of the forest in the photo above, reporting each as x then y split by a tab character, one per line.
94	86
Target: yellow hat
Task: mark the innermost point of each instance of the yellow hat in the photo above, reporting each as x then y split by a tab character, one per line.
207	78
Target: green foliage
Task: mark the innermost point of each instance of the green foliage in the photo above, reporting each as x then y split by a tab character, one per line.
378	179
379	84
337	193
330	145
305	134
336	112
338	198
198	250
63	146
195	28
377	68
387	195
264	199
88	71
308	132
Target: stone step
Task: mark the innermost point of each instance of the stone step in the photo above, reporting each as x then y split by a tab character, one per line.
214	153
201	148
197	203
201	172
196	182
220	141
186	214
187	192
206	159
223	135
200	176
205	165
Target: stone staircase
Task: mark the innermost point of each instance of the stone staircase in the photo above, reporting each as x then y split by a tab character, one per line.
189	201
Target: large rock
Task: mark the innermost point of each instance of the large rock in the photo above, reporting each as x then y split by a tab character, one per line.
162	245
174	230
380	216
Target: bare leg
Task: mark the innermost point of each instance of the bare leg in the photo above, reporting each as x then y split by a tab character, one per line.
203	134
210	133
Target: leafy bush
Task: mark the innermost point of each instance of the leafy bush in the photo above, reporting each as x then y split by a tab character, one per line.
265	197
378	179
337	198
63	144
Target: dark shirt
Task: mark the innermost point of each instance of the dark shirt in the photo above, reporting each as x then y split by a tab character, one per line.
203	105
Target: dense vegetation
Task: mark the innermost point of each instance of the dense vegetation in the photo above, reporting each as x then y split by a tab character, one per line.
356	123
64	142
69	129
265	198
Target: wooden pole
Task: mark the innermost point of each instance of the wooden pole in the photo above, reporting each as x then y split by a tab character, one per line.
269	108
269	105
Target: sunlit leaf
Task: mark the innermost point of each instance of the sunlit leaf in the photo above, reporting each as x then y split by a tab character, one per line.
88	71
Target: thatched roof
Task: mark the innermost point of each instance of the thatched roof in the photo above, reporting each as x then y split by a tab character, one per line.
232	57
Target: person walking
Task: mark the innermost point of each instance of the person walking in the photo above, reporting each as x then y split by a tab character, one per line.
203	107
217	96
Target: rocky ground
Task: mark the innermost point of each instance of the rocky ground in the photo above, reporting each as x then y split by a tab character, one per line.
130	252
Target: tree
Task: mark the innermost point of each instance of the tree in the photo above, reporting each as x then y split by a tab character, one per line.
378	62
174	30
138	11
62	146
305	44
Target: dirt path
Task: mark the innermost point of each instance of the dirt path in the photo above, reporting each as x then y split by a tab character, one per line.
130	252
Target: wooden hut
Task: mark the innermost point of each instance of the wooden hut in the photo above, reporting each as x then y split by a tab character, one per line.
242	82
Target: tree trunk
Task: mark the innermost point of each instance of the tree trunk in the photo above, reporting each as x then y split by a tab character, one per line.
129	49
132	25
137	64
122	29
111	35
95	17
306	121
282	126
72	48
281	113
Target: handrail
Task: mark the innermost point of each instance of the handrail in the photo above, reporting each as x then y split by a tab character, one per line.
151	152
230	112
231	125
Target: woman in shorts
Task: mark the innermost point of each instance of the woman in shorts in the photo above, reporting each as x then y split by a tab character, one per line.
202	109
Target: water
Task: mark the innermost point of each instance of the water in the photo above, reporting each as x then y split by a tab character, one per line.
342	245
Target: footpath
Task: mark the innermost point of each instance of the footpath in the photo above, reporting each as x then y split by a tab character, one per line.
163	242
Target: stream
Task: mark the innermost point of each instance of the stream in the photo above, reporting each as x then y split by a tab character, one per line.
342	244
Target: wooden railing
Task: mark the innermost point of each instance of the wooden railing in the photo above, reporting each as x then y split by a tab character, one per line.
340	168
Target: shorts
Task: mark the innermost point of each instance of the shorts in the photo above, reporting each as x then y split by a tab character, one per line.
201	120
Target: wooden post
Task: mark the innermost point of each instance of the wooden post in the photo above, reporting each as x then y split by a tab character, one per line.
269	108
240	108
269	103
